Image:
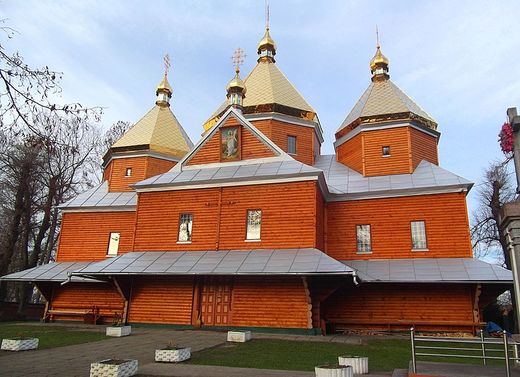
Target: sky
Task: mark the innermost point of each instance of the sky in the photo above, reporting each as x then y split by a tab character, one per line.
457	59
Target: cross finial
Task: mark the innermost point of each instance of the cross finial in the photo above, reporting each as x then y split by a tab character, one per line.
167	64
377	37
266	14
238	58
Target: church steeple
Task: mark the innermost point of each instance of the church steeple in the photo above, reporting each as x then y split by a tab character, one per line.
266	46
379	63
236	89
164	90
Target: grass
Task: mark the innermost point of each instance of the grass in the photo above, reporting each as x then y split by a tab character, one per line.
384	354
50	336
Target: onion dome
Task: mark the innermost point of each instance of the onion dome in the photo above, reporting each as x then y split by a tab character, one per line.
379	65
266	47
164	92
236	90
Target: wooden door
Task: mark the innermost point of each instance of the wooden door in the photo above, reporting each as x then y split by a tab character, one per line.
215	301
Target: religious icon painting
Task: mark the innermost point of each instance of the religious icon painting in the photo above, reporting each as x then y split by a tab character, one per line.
229	145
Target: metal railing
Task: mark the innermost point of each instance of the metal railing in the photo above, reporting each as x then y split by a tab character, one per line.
484	352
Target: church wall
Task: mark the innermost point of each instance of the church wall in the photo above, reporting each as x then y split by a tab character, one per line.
270	302
161	300
250	146
424	147
399	306
142	168
85	235
350	153
278	131
399	161
85	296
287	217
445	216
320	220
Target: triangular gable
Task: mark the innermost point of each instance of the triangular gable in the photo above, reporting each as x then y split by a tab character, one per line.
246	142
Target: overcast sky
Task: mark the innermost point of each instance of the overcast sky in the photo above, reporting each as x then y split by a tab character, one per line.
459	60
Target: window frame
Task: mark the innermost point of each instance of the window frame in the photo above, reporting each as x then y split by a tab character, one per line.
424	232
259	239
383	151
109	254
358	244
190	234
295	144
128	172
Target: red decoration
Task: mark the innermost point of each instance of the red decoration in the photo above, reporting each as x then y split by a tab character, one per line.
506	138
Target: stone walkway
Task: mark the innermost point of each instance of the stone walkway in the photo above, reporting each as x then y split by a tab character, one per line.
74	361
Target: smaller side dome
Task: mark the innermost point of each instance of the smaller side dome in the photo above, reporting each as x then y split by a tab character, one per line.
236	84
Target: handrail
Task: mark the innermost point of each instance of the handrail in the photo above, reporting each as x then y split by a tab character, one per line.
504	342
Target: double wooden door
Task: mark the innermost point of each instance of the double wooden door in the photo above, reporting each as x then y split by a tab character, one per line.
215	301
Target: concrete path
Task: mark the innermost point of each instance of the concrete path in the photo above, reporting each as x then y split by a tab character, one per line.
72	361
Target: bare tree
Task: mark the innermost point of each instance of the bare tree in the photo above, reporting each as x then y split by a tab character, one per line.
486	232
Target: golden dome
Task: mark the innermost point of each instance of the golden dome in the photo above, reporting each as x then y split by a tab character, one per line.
378	59
164	85
236	82
266	41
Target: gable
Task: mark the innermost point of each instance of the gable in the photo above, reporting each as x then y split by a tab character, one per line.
231	140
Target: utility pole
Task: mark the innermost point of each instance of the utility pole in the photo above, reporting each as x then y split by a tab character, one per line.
510	215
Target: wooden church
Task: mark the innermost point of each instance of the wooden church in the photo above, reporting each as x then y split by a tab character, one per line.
252	227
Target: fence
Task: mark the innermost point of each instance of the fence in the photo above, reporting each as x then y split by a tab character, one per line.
488	349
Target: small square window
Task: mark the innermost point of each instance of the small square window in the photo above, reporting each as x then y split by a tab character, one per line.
364	242
113	244
418	229
128	172
185	227
386	151
254	224
291	144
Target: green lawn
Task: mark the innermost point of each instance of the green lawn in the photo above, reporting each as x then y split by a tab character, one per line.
384	354
50	336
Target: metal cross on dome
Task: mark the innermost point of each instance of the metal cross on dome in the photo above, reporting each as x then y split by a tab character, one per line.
167	64
238	58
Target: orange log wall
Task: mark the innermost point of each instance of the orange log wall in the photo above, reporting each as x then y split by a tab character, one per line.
270	302
251	146
84	296
161	300
408	147
424	147
85	235
142	168
350	153
445	215
398	306
278	132
287	217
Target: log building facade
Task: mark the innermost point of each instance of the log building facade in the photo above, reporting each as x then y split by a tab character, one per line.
253	227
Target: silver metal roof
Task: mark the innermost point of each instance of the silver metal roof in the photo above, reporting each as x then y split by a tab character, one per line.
53	272
344	180
231	262
100	197
238	172
429	270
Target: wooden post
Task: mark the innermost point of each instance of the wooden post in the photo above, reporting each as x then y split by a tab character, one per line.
125	298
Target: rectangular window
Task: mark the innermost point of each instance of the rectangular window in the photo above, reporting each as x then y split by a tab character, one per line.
128	172
386	151
254	224
113	244
418	235
185	227
364	244
291	144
